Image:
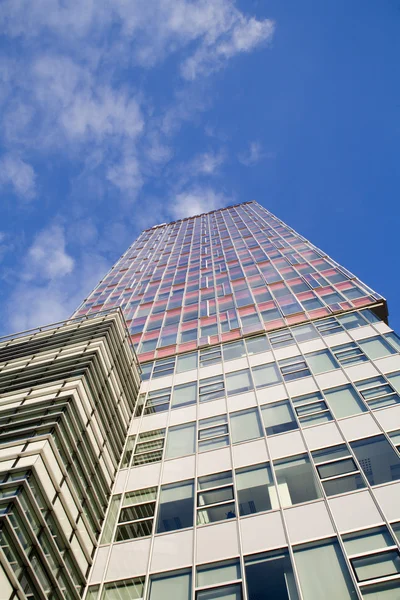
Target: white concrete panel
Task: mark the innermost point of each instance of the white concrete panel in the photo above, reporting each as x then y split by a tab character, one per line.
261	358
308	522
262	532
337	339
286	352
182	415
358	427
271	394
185	377
236	365
331	379
389	418
133	429
160	382
172	551
217	542
128	559
144	386
388	497
241	401
389	363
214	461
98	570
156	421
362	332
179	469
141	477
301	386
211	409
120	481
321	436
312	346
249	453
210	371
286	444
362	371
382	327
354	511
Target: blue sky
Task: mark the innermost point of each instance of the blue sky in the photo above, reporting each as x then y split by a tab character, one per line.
117	115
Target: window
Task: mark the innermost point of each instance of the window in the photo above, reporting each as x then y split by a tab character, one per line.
296	480
321	361
213	433
245	425
146	371
210	356
337	470
255	488
278	417
217	574
311	409
137	514
184	394
344	401
163	367
126	588
111	520
395	437
349	354
126	457
215	498
211	388
181	440
377	393
270	575
176	585
294	368
378	459
352	320
376	347
186	362
149	447
239	381
323	572
394	340
234	350
257	344
328	326
280	339
379	554
158	401
302	333
266	375
176	507
394	379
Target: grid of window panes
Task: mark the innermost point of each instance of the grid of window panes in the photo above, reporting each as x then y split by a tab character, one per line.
219	276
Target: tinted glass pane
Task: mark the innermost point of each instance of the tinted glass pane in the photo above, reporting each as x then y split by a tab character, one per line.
270	576
344	401
266	375
278	418
255	490
176	507
239	381
296	481
321	361
245	425
378	459
376	347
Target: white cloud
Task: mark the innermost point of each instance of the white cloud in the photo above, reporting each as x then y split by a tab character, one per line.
207	163
254	154
196	201
47	257
19	175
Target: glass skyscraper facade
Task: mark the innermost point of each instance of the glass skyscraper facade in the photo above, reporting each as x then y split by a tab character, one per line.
262	457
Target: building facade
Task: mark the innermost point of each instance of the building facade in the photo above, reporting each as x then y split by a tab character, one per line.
262	457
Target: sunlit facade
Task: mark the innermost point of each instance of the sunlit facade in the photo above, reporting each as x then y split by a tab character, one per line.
262	457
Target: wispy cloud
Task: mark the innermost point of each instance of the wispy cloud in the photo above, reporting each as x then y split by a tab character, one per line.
254	154
197	200
17	175
52	283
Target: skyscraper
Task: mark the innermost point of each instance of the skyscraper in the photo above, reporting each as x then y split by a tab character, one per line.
262	458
